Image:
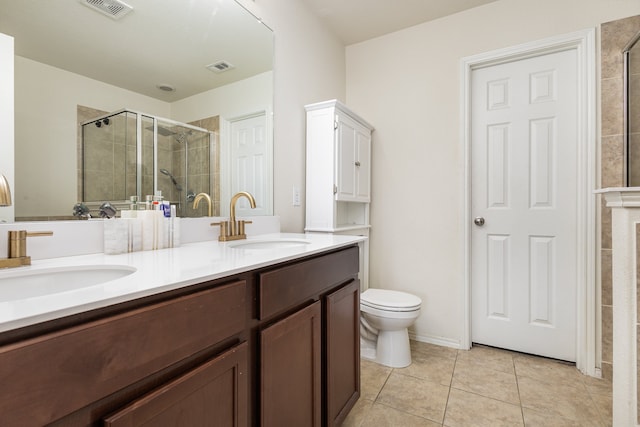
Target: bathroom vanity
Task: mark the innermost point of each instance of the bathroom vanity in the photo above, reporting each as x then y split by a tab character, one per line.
237	336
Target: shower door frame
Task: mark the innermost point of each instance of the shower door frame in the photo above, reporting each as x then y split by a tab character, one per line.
123	204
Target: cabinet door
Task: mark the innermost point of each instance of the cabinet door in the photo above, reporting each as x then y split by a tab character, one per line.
290	389
214	394
346	153
363	165
353	160
342	313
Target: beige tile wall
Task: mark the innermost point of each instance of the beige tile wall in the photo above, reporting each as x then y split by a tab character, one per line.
200	151
614	37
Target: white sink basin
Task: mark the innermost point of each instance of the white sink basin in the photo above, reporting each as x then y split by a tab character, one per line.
20	284
268	244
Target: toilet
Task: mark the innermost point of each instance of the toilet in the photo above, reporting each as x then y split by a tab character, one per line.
385	316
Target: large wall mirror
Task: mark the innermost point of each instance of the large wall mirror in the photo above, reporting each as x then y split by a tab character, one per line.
199	72
631	55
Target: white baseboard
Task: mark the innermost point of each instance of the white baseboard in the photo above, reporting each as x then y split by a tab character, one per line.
445	342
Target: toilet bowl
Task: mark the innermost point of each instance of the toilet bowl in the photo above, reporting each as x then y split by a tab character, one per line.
385	317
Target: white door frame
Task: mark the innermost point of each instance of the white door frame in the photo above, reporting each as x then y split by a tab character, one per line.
225	157
583	42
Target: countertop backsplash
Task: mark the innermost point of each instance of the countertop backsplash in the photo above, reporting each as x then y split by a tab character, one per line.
87	237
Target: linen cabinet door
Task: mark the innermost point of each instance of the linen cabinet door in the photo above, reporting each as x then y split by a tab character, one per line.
342	314
290	370
346	158
213	394
363	165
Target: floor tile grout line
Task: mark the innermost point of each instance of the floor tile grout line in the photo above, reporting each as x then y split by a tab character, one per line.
602	416
383	384
515	374
446	403
407	412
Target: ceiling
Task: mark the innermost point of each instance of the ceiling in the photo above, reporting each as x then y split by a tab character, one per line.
160	42
354	21
169	42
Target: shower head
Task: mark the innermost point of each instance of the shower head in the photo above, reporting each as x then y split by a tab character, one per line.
167	173
182	136
99	122
164	131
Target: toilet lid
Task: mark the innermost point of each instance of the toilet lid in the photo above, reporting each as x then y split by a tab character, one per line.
386	299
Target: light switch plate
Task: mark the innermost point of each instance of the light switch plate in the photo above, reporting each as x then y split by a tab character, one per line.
296	196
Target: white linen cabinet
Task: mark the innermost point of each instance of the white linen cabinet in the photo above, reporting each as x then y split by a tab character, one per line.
338	174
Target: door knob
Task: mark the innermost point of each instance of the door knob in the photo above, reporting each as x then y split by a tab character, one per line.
479	221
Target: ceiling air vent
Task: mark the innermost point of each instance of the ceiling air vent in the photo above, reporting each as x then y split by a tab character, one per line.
112	8
220	67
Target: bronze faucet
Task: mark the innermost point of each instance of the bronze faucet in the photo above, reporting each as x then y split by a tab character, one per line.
18	248
233	229
205	196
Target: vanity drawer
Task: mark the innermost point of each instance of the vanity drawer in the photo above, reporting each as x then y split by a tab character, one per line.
289	286
88	362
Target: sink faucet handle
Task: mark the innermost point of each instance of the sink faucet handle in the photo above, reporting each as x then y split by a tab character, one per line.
224	226
18	241
241	225
39	233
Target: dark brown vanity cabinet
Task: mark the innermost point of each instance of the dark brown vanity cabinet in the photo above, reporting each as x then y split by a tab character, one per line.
290	370
342	341
278	346
310	356
80	373
213	394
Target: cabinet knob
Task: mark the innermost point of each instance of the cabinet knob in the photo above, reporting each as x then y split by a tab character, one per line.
357	163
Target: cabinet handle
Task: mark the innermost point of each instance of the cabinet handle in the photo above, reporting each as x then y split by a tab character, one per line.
357	163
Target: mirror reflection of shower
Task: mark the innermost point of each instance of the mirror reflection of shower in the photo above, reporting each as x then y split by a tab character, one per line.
172	178
177	186
127	153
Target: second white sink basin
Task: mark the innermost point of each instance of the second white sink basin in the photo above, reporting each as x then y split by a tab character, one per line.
21	284
268	244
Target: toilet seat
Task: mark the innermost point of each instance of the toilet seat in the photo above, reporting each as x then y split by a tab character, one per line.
388	300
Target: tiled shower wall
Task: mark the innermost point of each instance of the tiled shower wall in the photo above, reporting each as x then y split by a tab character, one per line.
614	37
196	155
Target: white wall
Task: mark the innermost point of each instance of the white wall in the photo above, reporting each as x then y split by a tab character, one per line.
407	85
235	99
6	120
309	67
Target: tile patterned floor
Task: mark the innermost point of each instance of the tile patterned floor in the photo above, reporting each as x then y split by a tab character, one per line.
480	387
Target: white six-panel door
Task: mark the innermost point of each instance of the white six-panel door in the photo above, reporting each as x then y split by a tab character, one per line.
524	184
250	164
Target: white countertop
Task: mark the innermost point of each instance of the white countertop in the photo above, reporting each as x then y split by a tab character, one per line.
156	272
